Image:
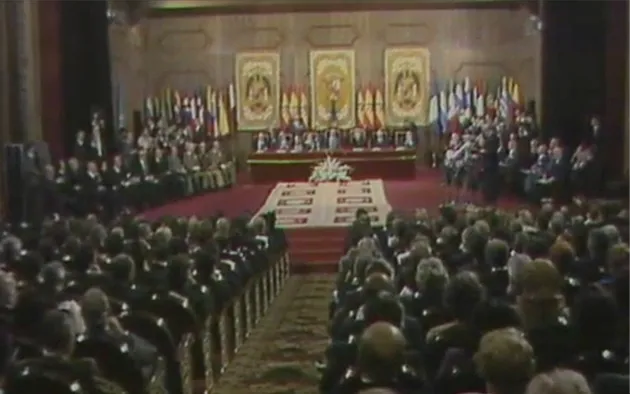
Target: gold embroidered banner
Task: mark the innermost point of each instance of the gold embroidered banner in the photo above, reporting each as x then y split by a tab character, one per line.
333	91
407	79
257	90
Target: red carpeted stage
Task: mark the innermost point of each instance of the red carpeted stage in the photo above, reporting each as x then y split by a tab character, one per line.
271	167
318	249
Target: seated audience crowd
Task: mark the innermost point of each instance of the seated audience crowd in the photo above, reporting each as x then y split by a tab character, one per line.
481	300
134	307
162	164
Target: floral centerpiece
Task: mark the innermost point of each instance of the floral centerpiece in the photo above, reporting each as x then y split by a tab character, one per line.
330	170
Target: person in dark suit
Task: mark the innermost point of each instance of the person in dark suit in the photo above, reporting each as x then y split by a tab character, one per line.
82	149
58	341
35	302
99	323
32	174
52	192
380	362
490	168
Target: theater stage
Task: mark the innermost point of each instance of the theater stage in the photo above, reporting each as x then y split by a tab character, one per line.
271	167
318	246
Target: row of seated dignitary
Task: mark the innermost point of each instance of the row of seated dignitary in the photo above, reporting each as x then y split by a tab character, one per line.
143	178
95	306
480	300
522	165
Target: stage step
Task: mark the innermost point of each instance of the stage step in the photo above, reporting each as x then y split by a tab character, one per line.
316	250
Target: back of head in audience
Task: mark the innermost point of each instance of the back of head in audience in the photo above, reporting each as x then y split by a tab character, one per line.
95	308
58	336
381	352
431	277
540	300
385	307
558	381
463	292
505	360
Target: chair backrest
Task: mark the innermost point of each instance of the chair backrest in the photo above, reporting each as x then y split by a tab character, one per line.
28	378
114	360
151	328
176	310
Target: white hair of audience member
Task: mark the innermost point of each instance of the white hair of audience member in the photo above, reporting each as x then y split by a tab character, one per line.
558	381
164	232
75	317
612	234
8	290
430	270
515	266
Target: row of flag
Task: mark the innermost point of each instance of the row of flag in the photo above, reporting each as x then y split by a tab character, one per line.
370	108
294	104
463	101
210	109
214	109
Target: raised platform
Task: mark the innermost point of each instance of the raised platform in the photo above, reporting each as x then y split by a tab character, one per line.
271	167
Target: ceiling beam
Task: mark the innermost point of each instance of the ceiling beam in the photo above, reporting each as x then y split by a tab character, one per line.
196	7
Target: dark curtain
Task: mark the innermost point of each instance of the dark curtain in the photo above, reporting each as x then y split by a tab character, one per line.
85	67
574	67
16	126
585	72
50	58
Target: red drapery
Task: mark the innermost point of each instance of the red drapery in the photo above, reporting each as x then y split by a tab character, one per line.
51	77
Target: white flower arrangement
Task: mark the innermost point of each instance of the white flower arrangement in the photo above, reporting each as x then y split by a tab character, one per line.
330	170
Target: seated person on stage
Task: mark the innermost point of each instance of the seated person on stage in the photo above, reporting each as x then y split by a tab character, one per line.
93	187
193	168
454	160
358	139
538	174
312	141
284	143
580	174
52	192
409	141
298	144
177	172
114	180
262	142
333	139
225	172
509	163
381	140
206	162
143	184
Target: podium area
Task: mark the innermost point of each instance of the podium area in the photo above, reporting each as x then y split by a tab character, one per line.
272	167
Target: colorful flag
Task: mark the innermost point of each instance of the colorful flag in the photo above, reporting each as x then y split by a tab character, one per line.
468	97
379	113
304	108
360	109
284	110
232	96
369	108
434	112
480	106
294	105
215	114
516	94
443	108
224	123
